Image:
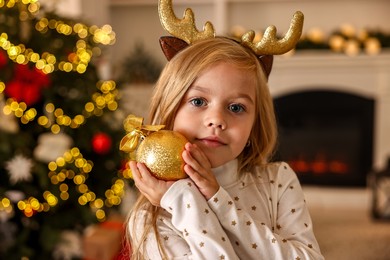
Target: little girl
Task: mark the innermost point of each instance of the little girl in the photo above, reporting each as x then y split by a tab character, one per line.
235	203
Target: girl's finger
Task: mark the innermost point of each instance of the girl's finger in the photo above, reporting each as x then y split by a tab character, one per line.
148	180
141	176
194	175
192	165
204	180
197	154
195	158
135	172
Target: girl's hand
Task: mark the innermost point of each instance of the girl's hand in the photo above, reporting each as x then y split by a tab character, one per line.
198	169
151	187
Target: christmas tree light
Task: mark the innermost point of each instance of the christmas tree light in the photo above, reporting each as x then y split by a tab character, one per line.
60	167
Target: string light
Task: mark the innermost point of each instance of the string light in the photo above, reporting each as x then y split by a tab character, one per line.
31	205
6	206
46	62
76	61
56	118
59	173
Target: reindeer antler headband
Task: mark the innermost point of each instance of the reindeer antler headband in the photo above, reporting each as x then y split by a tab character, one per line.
185	33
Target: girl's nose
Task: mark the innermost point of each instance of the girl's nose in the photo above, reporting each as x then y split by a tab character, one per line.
216	120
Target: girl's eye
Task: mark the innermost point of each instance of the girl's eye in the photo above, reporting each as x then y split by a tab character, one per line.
198	102
236	108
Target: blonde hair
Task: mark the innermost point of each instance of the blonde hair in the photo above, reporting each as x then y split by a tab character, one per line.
174	81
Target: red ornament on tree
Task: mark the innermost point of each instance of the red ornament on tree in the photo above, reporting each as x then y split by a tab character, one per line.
27	84
3	59
101	143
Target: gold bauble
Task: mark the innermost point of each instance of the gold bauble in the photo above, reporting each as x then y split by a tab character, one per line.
161	152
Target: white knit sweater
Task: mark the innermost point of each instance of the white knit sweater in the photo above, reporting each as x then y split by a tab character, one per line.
257	215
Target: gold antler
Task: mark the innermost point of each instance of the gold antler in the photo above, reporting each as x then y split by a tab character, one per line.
185	28
269	44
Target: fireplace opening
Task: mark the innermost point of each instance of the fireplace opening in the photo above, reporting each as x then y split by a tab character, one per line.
326	136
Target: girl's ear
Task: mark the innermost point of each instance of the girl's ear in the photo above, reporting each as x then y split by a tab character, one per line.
171	46
266	62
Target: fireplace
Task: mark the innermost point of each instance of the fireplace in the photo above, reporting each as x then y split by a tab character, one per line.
333	114
326	136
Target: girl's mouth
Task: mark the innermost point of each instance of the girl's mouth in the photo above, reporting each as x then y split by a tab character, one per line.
212	141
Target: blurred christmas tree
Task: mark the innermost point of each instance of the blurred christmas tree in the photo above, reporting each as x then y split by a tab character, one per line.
139	67
59	159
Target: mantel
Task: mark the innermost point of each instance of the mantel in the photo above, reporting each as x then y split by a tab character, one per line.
325	58
363	74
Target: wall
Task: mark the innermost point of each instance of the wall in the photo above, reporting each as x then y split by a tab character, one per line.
137	21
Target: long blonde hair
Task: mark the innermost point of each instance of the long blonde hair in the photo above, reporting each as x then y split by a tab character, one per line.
174	81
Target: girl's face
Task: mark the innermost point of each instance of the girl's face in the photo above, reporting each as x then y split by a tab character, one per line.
218	111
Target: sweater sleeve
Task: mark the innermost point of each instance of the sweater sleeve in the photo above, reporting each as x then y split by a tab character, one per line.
195	230
290	234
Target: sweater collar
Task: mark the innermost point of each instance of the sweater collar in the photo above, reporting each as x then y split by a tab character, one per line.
226	174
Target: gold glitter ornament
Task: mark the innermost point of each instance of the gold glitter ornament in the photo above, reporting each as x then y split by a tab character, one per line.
161	153
159	150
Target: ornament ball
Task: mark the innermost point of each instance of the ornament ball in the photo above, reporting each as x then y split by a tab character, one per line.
101	143
161	153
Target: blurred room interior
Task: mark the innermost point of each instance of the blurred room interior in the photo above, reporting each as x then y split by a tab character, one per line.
332	96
